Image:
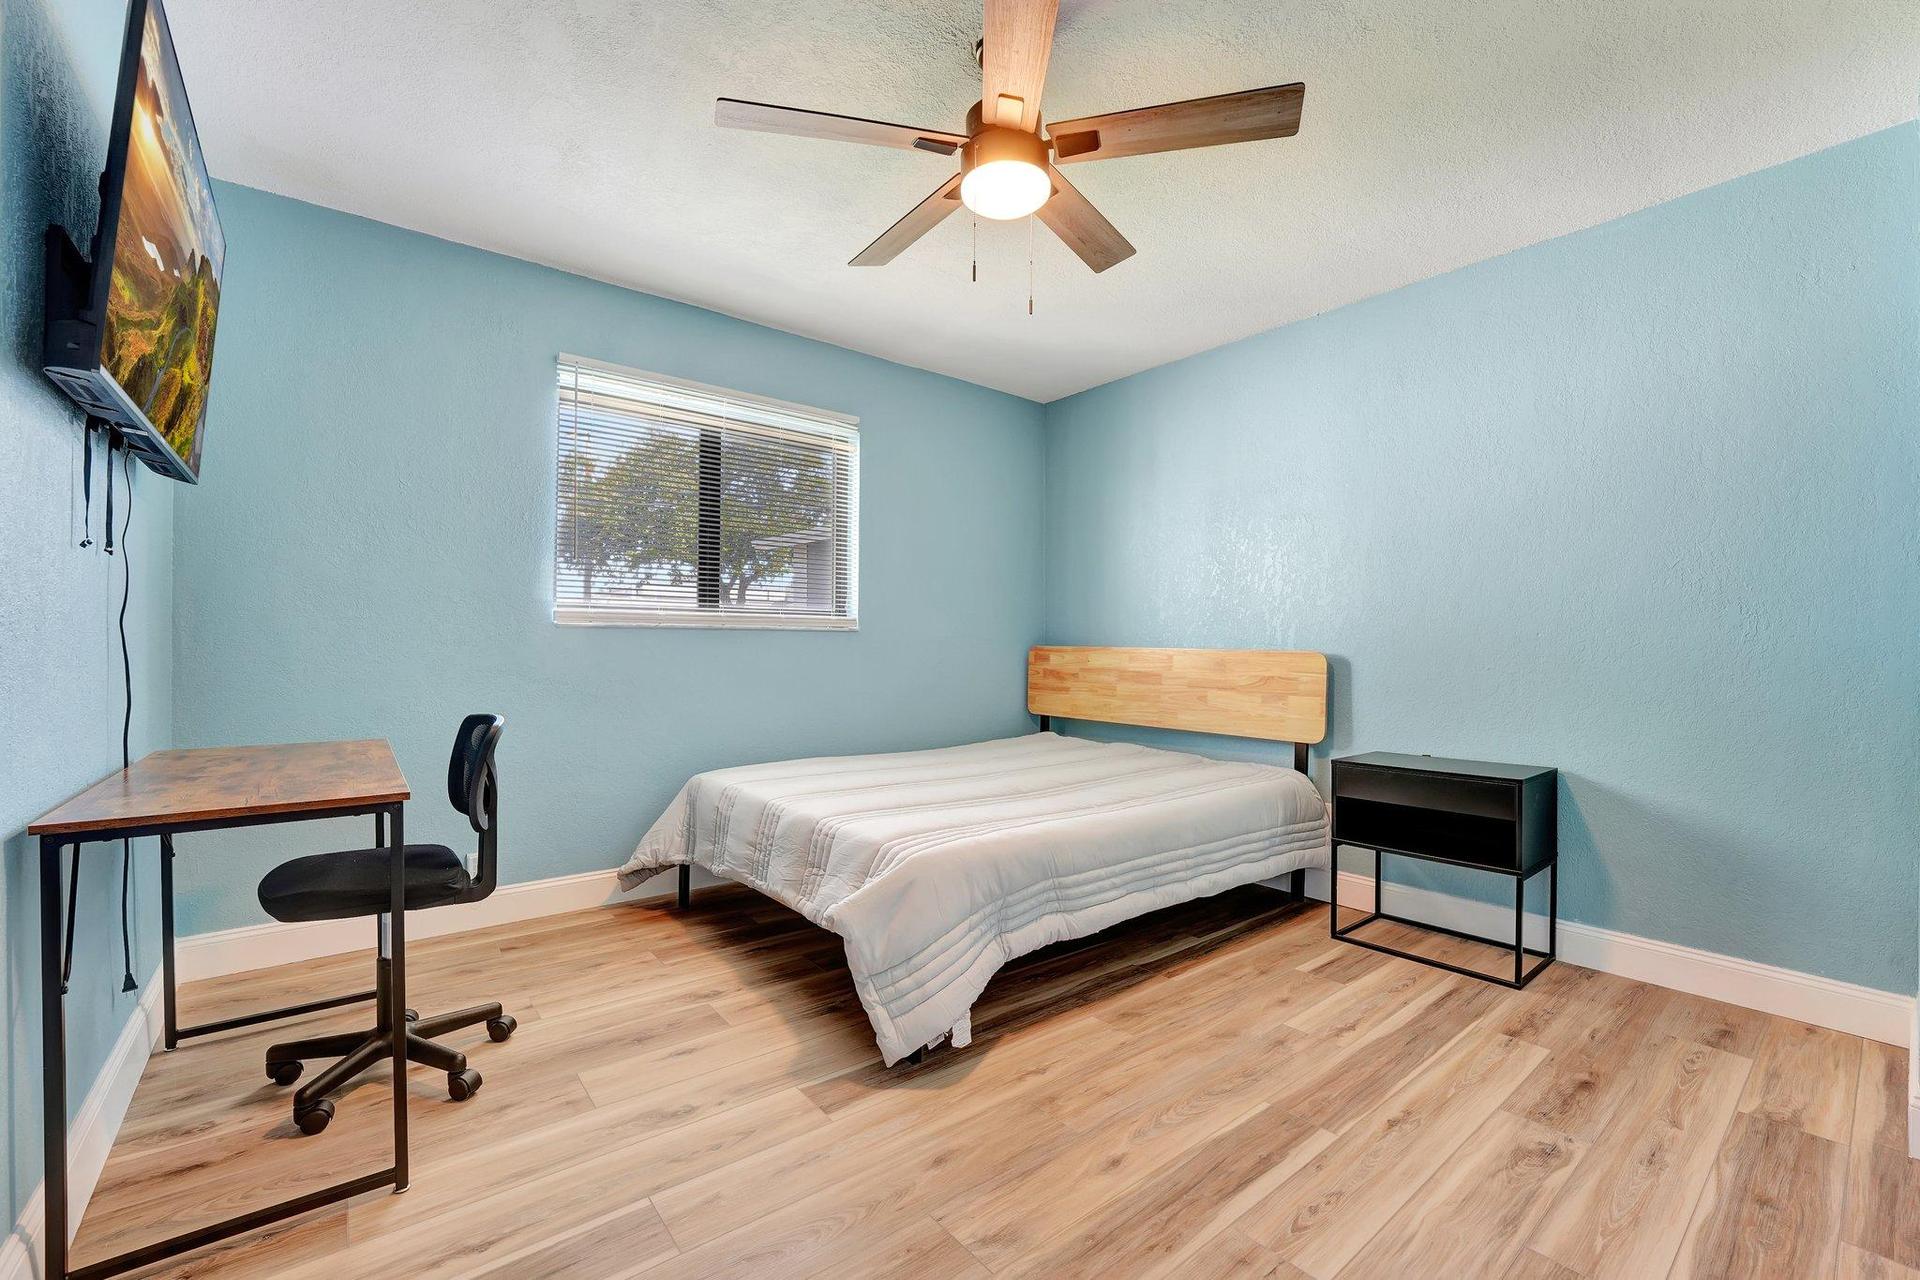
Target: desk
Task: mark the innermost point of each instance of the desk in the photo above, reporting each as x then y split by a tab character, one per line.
165	794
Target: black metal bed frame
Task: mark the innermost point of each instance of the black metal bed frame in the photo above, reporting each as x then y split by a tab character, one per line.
1296	880
390	968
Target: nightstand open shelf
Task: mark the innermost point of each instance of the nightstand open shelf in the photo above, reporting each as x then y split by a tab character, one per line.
1482	816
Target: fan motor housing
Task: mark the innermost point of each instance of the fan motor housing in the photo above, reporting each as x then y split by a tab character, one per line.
998	143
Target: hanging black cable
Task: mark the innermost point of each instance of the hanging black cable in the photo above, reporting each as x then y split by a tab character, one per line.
86	540
126	720
86	487
73	907
113	440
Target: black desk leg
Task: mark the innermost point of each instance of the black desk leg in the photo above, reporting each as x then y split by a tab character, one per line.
53	1061
396	963
167	978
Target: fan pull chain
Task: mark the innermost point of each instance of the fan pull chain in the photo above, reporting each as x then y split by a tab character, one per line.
1029	264
975	218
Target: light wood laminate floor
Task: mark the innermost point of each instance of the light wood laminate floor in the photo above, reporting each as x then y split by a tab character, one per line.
1216	1090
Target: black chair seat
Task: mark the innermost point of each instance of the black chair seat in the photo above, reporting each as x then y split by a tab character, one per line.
358	882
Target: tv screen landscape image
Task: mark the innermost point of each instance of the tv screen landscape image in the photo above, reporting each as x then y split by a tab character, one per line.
163	295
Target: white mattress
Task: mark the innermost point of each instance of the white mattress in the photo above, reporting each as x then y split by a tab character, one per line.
938	867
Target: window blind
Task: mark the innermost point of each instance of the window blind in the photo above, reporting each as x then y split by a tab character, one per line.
682	504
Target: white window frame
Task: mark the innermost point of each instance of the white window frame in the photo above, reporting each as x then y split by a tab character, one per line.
713	619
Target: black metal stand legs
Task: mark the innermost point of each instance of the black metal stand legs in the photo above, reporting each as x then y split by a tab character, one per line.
1522	974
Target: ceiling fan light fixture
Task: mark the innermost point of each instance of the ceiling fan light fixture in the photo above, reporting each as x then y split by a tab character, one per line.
1004	173
1005	189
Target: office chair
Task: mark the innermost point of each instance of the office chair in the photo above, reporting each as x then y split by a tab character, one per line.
357	882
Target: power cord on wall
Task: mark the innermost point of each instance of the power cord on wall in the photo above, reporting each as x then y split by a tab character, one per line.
126	720
114	442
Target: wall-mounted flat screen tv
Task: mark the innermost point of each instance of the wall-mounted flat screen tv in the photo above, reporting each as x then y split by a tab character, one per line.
130	335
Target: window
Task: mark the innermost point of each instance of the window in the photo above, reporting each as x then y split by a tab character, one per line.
678	504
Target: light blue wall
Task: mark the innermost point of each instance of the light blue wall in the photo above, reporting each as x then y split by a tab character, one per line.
60	694
1638	503
369	551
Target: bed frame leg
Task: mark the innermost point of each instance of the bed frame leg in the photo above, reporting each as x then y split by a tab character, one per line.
1297	884
686	887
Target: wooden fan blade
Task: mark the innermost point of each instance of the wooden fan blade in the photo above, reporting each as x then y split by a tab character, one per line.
1017	40
920	219
1083	228
1176	126
732	113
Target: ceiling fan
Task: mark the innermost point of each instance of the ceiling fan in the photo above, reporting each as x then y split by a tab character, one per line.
1007	169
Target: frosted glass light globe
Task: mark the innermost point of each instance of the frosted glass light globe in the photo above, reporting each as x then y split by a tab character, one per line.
1005	189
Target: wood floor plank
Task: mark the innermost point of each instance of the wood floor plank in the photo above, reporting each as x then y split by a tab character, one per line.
629	1236
1322	1217
1628	1204
1162	1220
700	1208
1880	1102
1335	1087
1806	1076
1772	1207
1857	1264
1531	1266
1372	1002
1030	1202
1883	1203
632	1145
1590	1074
1726	1027
1227	1254
1473	1215
1217	1089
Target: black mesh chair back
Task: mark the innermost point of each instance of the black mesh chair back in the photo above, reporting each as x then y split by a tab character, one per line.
473	789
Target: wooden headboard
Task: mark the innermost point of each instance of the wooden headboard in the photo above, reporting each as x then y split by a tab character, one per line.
1276	694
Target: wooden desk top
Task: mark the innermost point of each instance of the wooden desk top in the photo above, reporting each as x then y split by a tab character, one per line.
233	782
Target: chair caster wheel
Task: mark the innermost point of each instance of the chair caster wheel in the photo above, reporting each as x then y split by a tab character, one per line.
315	1117
498	1029
462	1085
413	1015
283	1073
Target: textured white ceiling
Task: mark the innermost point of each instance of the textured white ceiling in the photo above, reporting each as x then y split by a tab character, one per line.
579	133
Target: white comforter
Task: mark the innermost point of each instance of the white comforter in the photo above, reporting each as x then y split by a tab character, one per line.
937	867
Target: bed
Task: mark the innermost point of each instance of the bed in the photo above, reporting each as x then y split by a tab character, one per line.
938	867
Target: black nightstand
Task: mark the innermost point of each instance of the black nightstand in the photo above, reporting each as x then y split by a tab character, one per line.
1466	813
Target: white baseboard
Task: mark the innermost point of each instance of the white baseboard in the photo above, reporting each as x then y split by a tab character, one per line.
1805	997
89	1138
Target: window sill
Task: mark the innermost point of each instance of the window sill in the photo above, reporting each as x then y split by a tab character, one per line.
701	621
